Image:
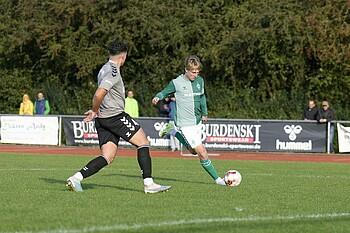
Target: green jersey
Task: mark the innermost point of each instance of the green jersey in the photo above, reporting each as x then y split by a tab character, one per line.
190	104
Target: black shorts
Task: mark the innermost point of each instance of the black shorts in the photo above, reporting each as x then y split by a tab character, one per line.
112	128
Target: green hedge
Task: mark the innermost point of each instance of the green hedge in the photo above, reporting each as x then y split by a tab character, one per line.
262	58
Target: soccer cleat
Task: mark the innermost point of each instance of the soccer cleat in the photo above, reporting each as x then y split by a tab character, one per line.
220	181
74	185
156	188
165	130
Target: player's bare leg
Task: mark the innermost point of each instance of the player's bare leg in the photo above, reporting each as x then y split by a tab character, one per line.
109	151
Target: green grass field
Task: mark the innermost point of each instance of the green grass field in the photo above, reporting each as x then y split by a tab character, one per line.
273	197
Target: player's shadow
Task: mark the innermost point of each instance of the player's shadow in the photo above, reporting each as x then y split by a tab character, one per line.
88	186
157	178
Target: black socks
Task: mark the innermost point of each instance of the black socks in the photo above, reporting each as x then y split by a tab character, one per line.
93	166
144	160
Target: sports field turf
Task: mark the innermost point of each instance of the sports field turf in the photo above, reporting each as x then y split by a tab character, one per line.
273	197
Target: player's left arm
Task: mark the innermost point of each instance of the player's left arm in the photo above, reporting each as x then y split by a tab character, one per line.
204	108
203	102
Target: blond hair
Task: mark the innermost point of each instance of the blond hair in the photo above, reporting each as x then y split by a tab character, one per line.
193	63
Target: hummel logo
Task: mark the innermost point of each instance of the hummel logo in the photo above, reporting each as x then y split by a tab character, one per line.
128	124
292	130
114	71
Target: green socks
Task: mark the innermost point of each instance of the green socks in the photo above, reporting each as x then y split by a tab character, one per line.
208	166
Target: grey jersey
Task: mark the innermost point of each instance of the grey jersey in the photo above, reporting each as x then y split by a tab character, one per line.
110	79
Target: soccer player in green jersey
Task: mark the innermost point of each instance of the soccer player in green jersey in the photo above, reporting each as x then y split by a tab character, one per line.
191	110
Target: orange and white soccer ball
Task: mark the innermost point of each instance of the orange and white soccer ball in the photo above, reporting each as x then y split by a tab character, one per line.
232	178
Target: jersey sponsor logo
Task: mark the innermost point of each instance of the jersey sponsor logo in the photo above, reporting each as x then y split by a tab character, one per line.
109	82
101	73
192	94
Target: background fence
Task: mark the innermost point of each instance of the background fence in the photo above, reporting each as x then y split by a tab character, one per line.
217	134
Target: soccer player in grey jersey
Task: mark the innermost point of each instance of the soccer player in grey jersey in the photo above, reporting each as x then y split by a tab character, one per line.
191	110
112	123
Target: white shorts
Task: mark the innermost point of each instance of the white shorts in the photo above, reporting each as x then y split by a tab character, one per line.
193	134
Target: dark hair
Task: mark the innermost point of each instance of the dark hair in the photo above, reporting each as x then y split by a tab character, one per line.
117	47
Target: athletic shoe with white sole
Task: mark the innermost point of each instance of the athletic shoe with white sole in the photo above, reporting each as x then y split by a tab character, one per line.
74	185
156	188
165	130
220	181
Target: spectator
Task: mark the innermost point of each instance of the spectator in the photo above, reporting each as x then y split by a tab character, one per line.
26	107
174	143
131	105
311	112
41	105
326	114
163	106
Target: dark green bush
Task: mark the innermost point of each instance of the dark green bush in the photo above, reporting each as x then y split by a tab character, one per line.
262	59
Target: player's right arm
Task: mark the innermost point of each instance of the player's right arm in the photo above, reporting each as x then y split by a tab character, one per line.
96	102
107	81
164	93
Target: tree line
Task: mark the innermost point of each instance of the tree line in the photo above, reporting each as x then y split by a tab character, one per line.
262	59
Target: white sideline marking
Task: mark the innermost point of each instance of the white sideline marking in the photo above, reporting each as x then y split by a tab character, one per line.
322	177
193	221
34	169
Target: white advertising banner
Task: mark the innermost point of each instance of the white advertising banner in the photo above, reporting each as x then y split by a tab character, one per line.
29	130
343	138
